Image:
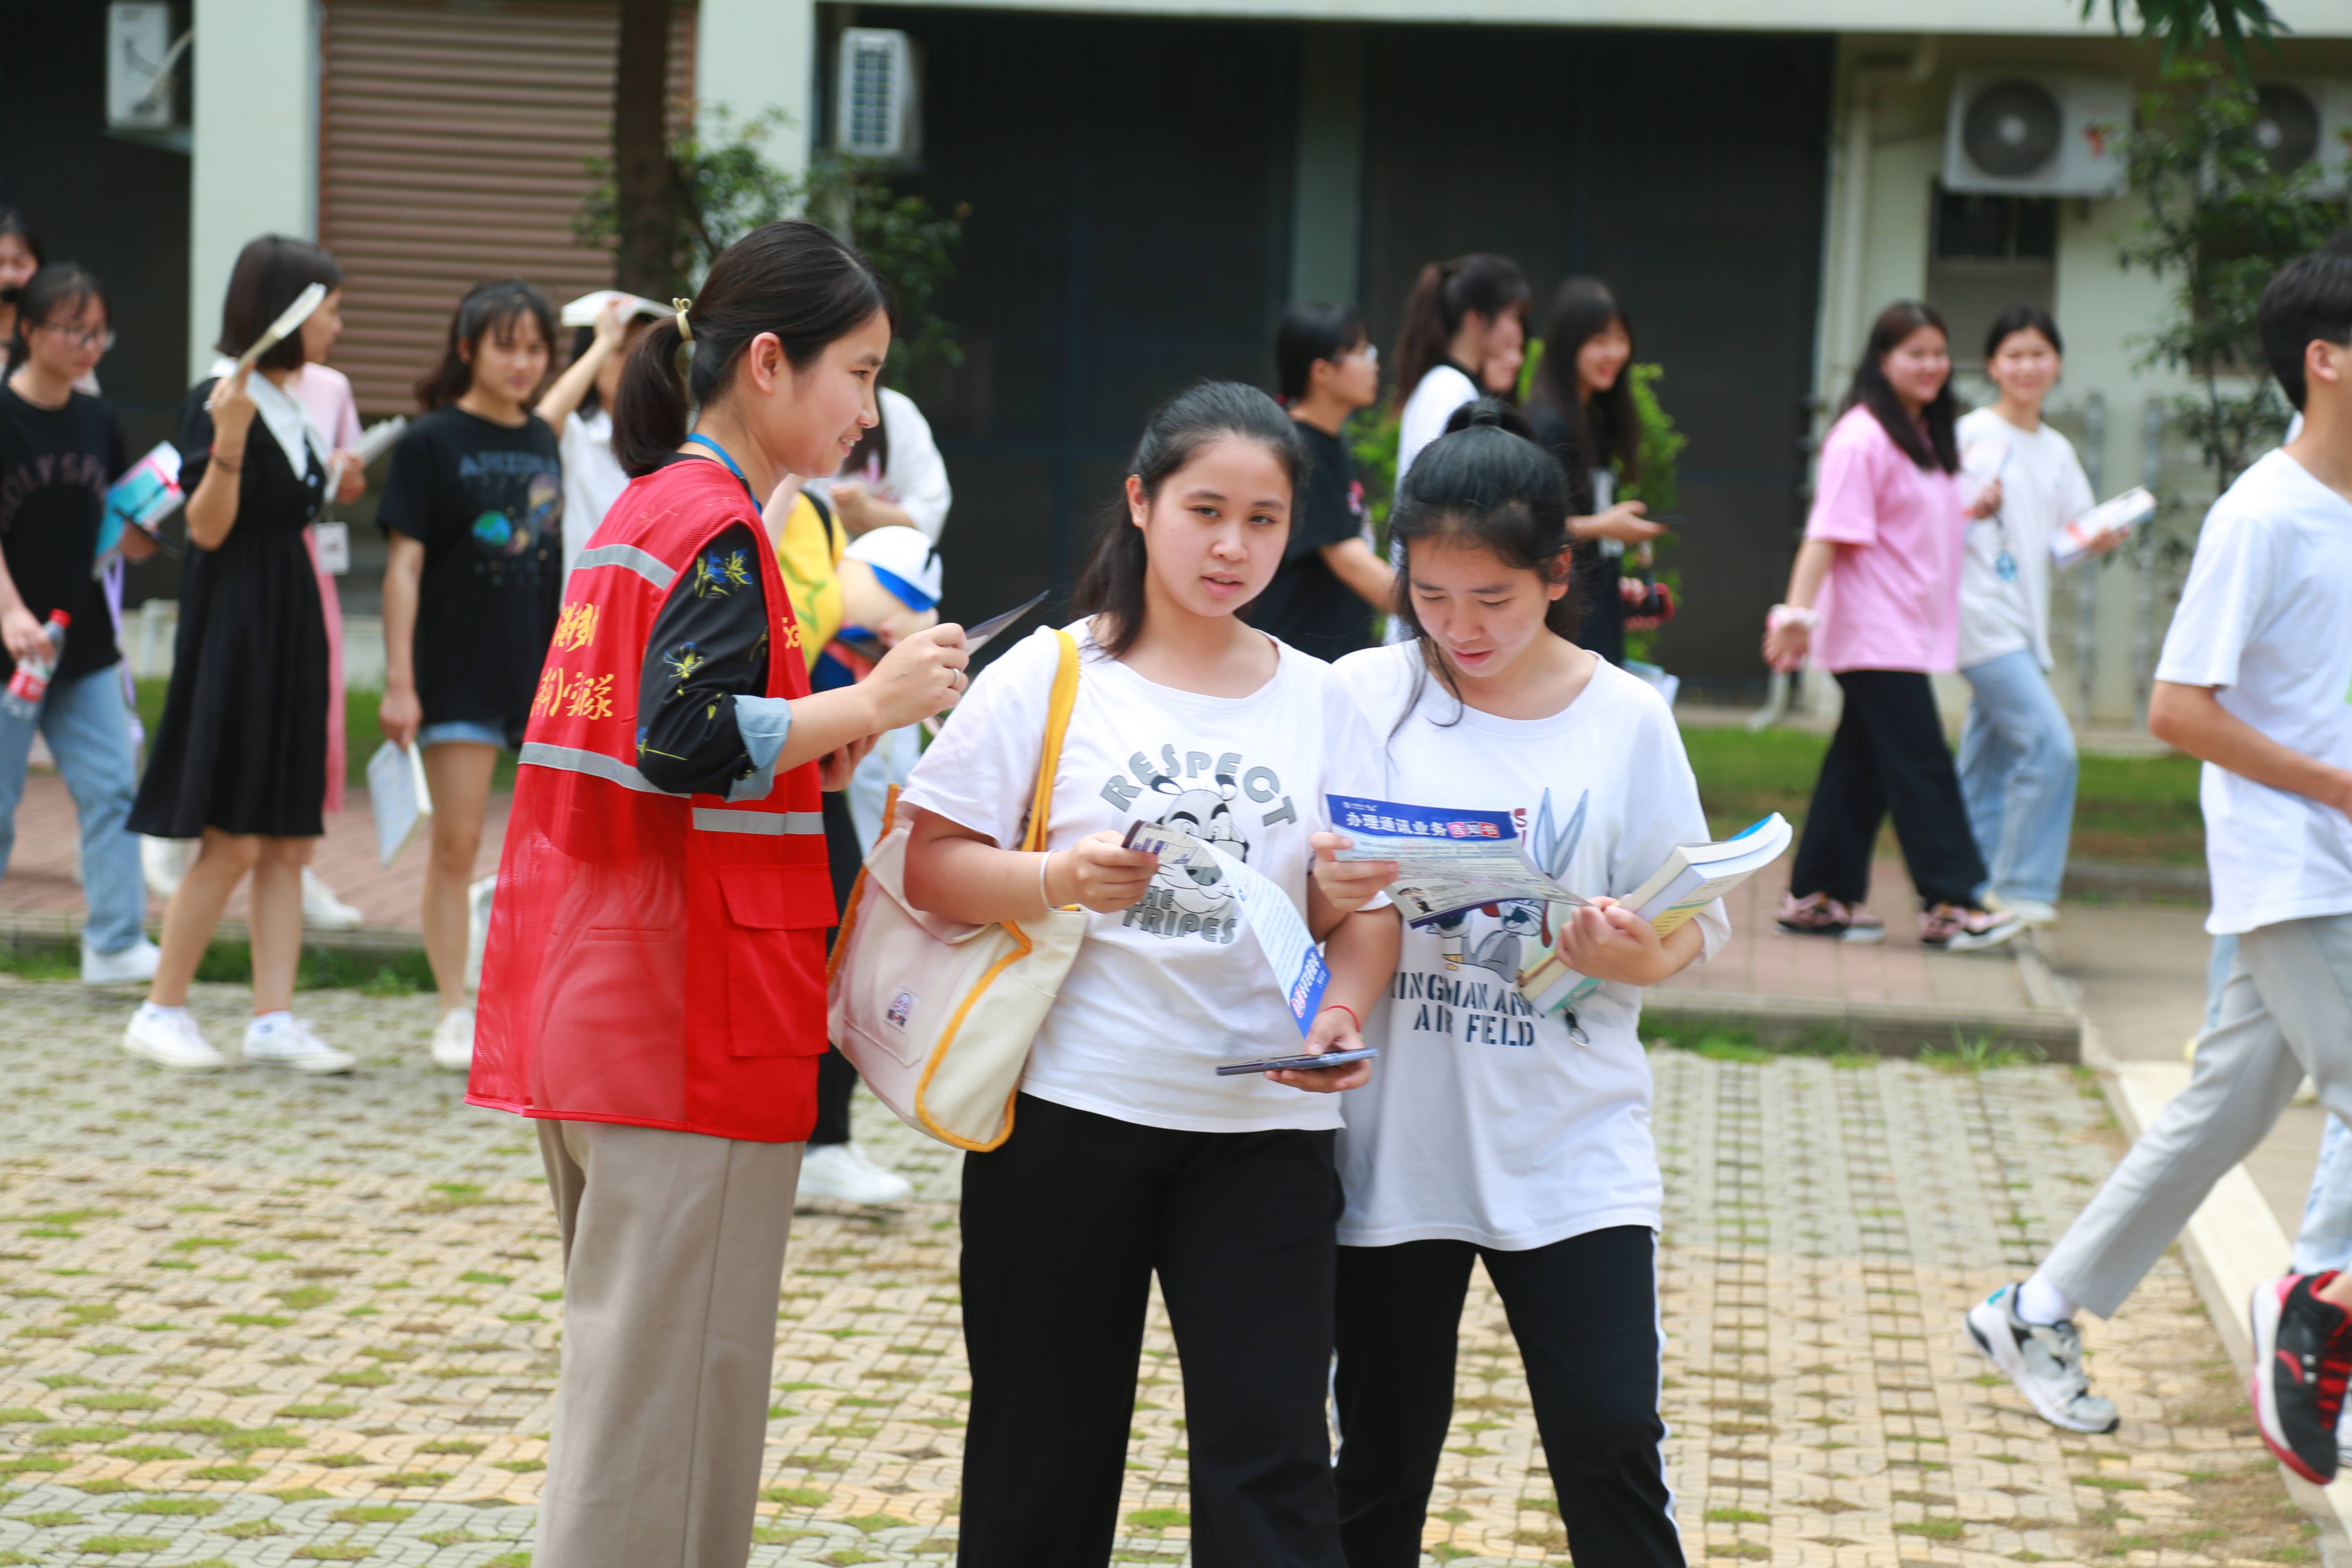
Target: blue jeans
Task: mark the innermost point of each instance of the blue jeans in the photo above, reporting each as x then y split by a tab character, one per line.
2016	776
89	730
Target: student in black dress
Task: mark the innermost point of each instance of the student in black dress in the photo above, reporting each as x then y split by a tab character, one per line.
1322	597
474	508
1581	408
240	758
59	450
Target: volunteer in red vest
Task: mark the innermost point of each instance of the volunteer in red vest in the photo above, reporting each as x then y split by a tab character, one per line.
654	987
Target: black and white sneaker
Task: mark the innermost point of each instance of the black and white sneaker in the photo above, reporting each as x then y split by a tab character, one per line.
2303	1354
2044	1360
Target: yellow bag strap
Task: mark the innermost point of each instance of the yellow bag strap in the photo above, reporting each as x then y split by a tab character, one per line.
1049	755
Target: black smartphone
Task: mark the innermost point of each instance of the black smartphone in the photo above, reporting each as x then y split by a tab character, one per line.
1299	1064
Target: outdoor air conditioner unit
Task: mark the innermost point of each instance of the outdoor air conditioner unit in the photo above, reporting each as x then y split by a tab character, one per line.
2027	134
2304	124
876	102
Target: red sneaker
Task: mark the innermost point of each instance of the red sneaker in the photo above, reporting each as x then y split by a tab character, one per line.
2303	1356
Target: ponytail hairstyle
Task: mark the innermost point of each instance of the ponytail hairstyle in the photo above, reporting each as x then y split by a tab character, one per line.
487	309
791	278
59	290
1484	485
1606	430
270	274
1111	586
1937	446
1477	284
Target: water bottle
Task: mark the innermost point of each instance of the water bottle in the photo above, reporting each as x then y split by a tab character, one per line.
31	681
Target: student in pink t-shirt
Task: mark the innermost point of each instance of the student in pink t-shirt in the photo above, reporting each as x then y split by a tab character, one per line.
1875	597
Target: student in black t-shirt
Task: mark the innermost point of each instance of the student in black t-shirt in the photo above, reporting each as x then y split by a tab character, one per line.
474	508
59	450
1321	600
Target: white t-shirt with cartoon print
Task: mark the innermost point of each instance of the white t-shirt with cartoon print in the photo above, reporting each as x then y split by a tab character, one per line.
1162	992
1486	1122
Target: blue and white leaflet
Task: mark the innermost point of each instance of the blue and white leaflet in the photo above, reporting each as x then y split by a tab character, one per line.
1282	936
1447	860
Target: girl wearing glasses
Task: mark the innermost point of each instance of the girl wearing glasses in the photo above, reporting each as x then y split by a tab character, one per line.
59	450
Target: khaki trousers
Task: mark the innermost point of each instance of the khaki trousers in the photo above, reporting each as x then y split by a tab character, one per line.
673	1260
2287	1011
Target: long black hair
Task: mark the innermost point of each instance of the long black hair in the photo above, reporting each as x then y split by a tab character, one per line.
488	308
270	274
1932	441
59	283
1111	586
790	278
1606	430
1487	486
1478	284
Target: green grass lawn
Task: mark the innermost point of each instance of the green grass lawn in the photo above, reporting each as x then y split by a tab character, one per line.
360	734
2126	808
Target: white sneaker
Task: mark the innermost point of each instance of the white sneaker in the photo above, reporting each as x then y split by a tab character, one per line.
292	1044
322	911
133	963
163	861
453	1040
169	1037
2031	912
842	1172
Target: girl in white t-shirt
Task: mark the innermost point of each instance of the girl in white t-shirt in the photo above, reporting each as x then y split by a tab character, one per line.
2017	751
1461	314
578	407
1492	1131
1128	1156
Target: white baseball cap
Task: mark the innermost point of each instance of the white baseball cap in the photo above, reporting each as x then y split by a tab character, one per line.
904	560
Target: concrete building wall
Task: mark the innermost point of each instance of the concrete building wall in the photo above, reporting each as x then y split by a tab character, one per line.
255	144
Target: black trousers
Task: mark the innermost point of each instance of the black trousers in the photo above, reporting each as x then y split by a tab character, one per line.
1888	755
1063	1228
835	1077
1584	1311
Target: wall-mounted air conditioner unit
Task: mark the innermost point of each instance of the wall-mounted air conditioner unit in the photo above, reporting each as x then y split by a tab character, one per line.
2304	124
141	56
2031	134
876	107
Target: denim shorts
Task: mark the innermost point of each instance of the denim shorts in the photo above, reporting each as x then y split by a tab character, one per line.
468	730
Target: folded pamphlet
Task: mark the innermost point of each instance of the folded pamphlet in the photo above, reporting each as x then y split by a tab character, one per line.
1447	860
397	790
2125	512
1281	936
583	311
1693	876
147	493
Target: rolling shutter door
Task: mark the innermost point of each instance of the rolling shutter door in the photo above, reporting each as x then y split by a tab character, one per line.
454	146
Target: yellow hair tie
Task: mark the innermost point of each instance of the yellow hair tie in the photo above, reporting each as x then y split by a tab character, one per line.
682	306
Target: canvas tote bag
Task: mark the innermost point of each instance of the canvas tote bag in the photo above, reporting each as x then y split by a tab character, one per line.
938	1016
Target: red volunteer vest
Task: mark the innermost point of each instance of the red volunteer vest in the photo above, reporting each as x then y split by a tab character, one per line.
654	959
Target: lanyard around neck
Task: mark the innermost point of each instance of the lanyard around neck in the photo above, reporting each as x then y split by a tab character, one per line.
701	440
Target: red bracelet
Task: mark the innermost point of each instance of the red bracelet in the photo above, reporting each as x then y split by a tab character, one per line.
1343	1008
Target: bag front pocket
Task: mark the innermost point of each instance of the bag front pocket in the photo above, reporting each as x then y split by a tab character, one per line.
777	917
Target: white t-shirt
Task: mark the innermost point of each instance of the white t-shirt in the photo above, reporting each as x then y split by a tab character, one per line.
1442	391
593	477
2042	489
1163	992
2266	615
917	476
1484	1122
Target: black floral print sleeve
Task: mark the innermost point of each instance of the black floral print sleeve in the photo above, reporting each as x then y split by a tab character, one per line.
710	645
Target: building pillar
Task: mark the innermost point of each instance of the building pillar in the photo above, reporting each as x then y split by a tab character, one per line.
754	56
254	144
1327	222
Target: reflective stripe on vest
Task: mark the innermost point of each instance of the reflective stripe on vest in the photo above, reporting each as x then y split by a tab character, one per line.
643	562
718	819
708	818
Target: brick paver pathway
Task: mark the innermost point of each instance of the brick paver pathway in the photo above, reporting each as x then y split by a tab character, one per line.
253	1320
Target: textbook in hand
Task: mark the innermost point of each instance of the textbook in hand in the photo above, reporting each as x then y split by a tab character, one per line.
1693	876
